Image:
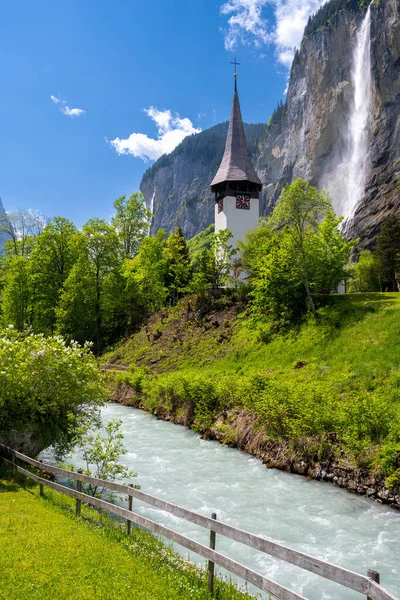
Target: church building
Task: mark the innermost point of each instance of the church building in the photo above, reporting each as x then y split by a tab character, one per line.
236	185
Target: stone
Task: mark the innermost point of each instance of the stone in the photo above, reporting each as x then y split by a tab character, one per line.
384	494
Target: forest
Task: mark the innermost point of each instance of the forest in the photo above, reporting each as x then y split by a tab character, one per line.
100	283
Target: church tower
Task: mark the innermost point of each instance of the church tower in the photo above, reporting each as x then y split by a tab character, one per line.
236	184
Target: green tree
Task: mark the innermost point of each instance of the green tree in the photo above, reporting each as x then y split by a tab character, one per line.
327	253
300	209
16	292
101	450
82	304
215	270
47	389
388	253
277	293
364	274
178	265
76	312
201	241
292	257
132	222
145	277
21	228
255	246
50	264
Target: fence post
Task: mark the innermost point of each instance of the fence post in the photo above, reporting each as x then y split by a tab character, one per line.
14	467
41	484
128	522
78	502
210	563
374	575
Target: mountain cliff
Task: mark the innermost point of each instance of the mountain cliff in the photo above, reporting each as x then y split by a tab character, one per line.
177	186
339	128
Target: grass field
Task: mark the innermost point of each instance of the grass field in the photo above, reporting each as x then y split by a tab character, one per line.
46	553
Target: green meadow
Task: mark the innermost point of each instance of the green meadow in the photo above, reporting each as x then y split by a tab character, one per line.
46	552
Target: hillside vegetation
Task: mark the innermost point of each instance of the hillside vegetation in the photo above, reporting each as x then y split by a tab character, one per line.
329	390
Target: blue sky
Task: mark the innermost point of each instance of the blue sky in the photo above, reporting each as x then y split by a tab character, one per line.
155	68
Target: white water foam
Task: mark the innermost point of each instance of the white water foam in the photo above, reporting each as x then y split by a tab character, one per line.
152	207
359	123
346	184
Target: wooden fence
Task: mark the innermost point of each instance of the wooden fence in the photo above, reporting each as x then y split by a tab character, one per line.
367	585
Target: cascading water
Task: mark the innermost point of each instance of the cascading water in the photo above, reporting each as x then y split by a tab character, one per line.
346	184
152	208
360	118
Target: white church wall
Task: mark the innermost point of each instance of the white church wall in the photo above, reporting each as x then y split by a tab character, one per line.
238	220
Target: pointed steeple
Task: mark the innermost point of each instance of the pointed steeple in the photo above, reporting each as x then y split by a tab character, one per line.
236	165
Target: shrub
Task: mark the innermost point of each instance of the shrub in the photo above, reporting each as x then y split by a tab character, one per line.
46	385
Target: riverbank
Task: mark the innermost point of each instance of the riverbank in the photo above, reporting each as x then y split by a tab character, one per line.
239	429
321	401
47	553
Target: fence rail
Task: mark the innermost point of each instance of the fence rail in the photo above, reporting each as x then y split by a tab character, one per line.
368	585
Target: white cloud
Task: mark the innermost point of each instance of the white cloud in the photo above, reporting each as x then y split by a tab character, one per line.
72	112
248	24
171	131
66	110
291	19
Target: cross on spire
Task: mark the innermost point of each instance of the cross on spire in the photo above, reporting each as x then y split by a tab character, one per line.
235	70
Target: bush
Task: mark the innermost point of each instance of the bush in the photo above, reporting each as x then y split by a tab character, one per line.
46	385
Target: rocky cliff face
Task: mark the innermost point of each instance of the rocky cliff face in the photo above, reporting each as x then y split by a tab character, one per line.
308	136
382	192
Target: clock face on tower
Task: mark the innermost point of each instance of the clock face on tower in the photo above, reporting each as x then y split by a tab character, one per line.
243	201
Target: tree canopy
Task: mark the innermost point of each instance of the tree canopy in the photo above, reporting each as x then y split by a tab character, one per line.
296	256
388	253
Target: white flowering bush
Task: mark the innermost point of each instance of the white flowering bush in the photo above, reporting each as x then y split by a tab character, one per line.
46	384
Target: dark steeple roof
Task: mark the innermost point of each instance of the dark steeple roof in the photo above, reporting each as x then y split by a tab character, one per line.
236	164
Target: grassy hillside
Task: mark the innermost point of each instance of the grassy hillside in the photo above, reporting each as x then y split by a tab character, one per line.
46	552
327	391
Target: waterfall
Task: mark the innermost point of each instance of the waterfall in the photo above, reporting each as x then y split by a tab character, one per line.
359	121
152	208
347	182
152	201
